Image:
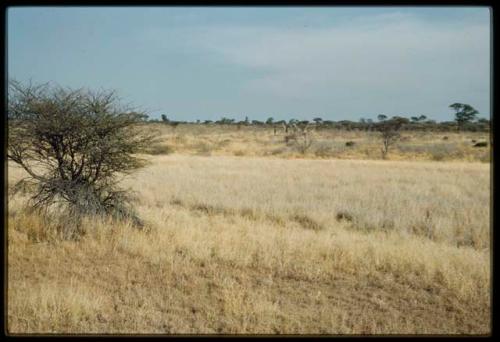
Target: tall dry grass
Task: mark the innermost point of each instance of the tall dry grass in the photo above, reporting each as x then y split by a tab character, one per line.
209	140
264	245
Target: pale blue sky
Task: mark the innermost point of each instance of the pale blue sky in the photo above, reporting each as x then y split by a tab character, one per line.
302	62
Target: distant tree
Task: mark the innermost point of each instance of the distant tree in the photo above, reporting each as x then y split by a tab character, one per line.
300	137
275	128
318	120
364	124
206	122
368	124
381	117
270	121
400	119
389	133
247	122
164	118
347	124
257	122
464	114
225	121
281	123
418	118
443	126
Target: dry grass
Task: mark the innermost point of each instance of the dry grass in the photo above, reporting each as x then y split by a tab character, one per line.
327	143
267	245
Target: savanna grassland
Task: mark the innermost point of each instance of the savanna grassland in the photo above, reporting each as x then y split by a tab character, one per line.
326	143
245	234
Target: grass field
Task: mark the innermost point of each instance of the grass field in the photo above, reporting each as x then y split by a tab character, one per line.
209	140
243	240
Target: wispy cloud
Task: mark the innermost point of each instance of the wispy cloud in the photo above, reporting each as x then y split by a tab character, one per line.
395	56
389	53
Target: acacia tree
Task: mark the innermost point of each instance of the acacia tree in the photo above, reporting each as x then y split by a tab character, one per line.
225	121
389	132
418	118
74	145
382	117
464	114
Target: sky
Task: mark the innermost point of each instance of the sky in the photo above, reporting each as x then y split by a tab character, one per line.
190	63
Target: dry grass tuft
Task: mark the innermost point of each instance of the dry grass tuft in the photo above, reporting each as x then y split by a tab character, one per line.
306	222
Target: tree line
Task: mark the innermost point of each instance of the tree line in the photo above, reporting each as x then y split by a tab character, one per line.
465	120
